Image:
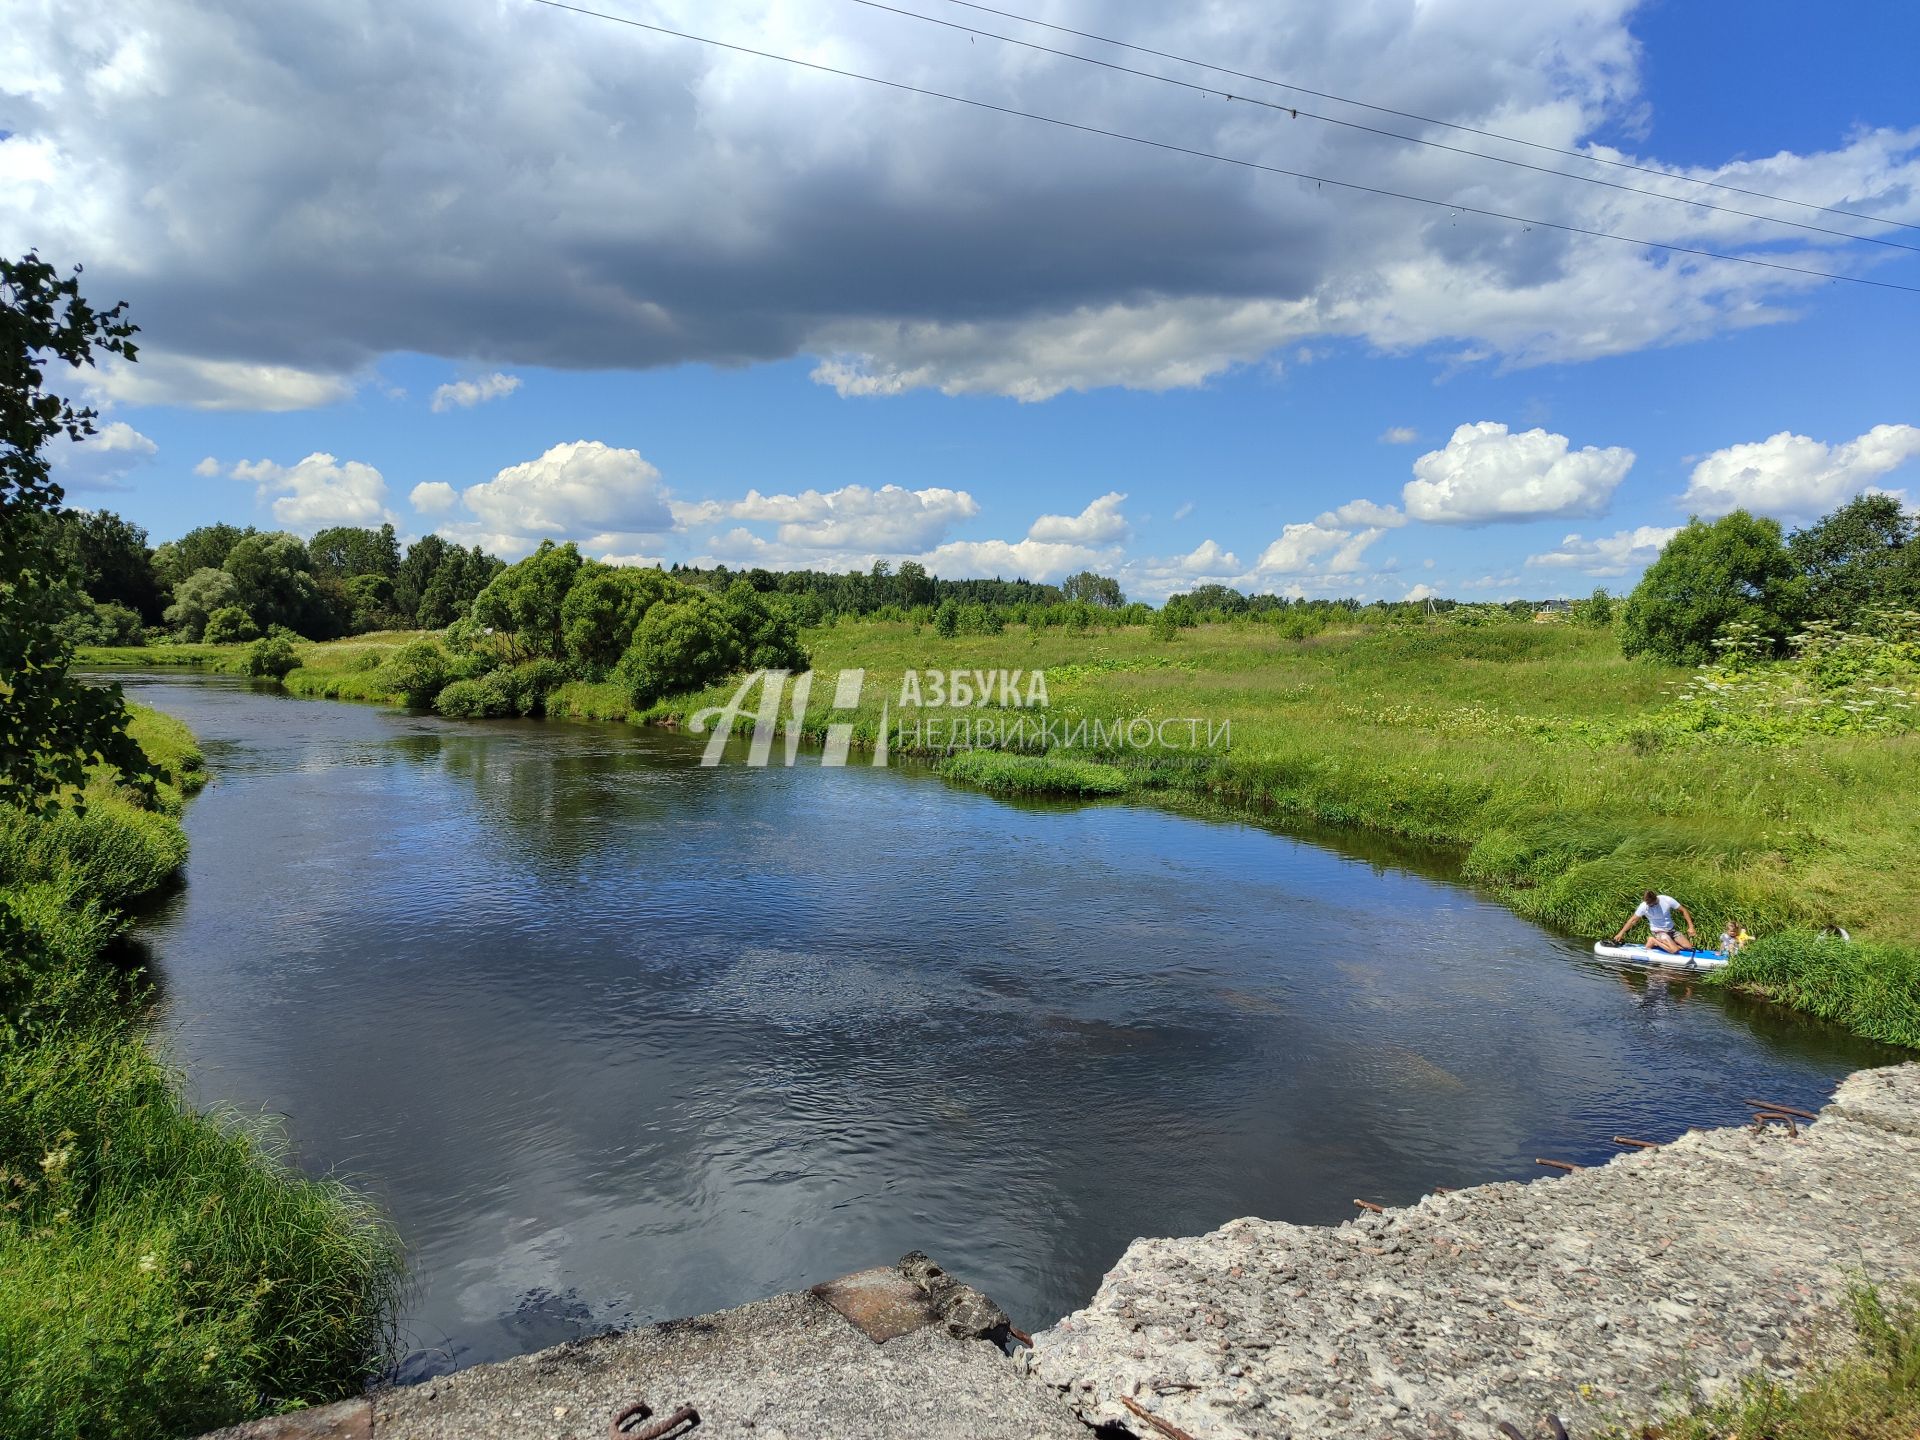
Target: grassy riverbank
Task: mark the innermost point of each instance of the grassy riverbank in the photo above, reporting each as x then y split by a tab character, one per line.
1565	777
161	1271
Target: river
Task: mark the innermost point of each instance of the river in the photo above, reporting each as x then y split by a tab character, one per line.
618	1038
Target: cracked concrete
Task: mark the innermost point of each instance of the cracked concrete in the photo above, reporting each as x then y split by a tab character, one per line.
1609	1293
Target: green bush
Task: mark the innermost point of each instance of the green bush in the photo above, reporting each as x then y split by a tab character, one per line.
418	671
269	658
478	699
229	625
679	645
1733	571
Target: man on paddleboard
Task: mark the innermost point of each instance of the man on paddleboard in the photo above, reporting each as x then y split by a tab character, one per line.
1657	910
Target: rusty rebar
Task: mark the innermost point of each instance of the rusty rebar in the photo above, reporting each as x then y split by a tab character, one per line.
1634	1144
1368	1205
1022	1336
1761	1117
1165	1427
1782	1109
1559	1164
658	1430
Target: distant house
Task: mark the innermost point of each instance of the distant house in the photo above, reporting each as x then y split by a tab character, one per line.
1549	611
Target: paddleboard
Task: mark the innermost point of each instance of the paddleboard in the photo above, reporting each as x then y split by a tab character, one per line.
1660	959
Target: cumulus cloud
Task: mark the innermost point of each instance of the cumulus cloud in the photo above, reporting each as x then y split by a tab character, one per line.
103	460
1609	555
901	241
207	468
318	491
891	519
1399	435
577	488
1363	513
465	394
1101	523
1312	548
1788	474
1487	475
1421	592
433	497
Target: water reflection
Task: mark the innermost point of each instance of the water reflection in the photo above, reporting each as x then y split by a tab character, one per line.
620	1038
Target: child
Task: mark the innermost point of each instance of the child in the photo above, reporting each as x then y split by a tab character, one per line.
1733	938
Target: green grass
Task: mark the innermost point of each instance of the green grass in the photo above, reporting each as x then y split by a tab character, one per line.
1033	774
161	1271
1871	1392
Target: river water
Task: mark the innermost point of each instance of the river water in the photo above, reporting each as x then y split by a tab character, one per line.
618	1038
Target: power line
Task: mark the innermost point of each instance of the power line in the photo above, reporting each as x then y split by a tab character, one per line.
1431	120
1297	113
1171	148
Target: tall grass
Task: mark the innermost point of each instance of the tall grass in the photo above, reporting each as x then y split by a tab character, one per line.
1033	774
161	1271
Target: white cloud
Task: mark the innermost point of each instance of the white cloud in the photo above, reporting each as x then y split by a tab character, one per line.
433	497
635	561
1313	548
1421	592
1788	474
319	491
103	460
1364	513
465	394
1155	578
162	379
207	468
1609	555
890	520
573	489
1184	509
1399	435
1486	475
1100	523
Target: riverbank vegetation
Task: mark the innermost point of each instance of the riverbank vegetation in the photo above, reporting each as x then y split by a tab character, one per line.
161	1271
1870	1392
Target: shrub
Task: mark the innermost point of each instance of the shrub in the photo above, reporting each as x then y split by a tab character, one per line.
473	699
418	671
229	625
1872	989
679	645
602	607
1735	570
95	623
270	658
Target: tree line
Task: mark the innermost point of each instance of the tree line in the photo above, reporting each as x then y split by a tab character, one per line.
222	583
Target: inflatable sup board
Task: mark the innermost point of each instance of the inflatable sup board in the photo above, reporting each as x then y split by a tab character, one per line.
1659	959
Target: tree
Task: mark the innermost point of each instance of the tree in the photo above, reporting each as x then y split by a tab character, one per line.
345	551
1596	611
52	726
274	574
603	605
679	645
197	597
113	562
229	625
523	602
1101	590
1863	555
766	633
204	548
1710	576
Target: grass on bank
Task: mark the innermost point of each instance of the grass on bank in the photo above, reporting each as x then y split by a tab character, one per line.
1871	1393
1565	777
1009	774
162	1272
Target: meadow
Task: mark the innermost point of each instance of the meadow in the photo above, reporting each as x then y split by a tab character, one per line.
1564	777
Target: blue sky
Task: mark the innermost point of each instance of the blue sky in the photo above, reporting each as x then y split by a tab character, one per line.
1234	357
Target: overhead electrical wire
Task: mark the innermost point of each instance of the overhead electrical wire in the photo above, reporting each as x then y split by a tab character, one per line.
1240	162
1297	113
1431	120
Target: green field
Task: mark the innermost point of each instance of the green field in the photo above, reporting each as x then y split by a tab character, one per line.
1564	777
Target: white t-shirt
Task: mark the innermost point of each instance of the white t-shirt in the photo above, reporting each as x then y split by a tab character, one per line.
1659	915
